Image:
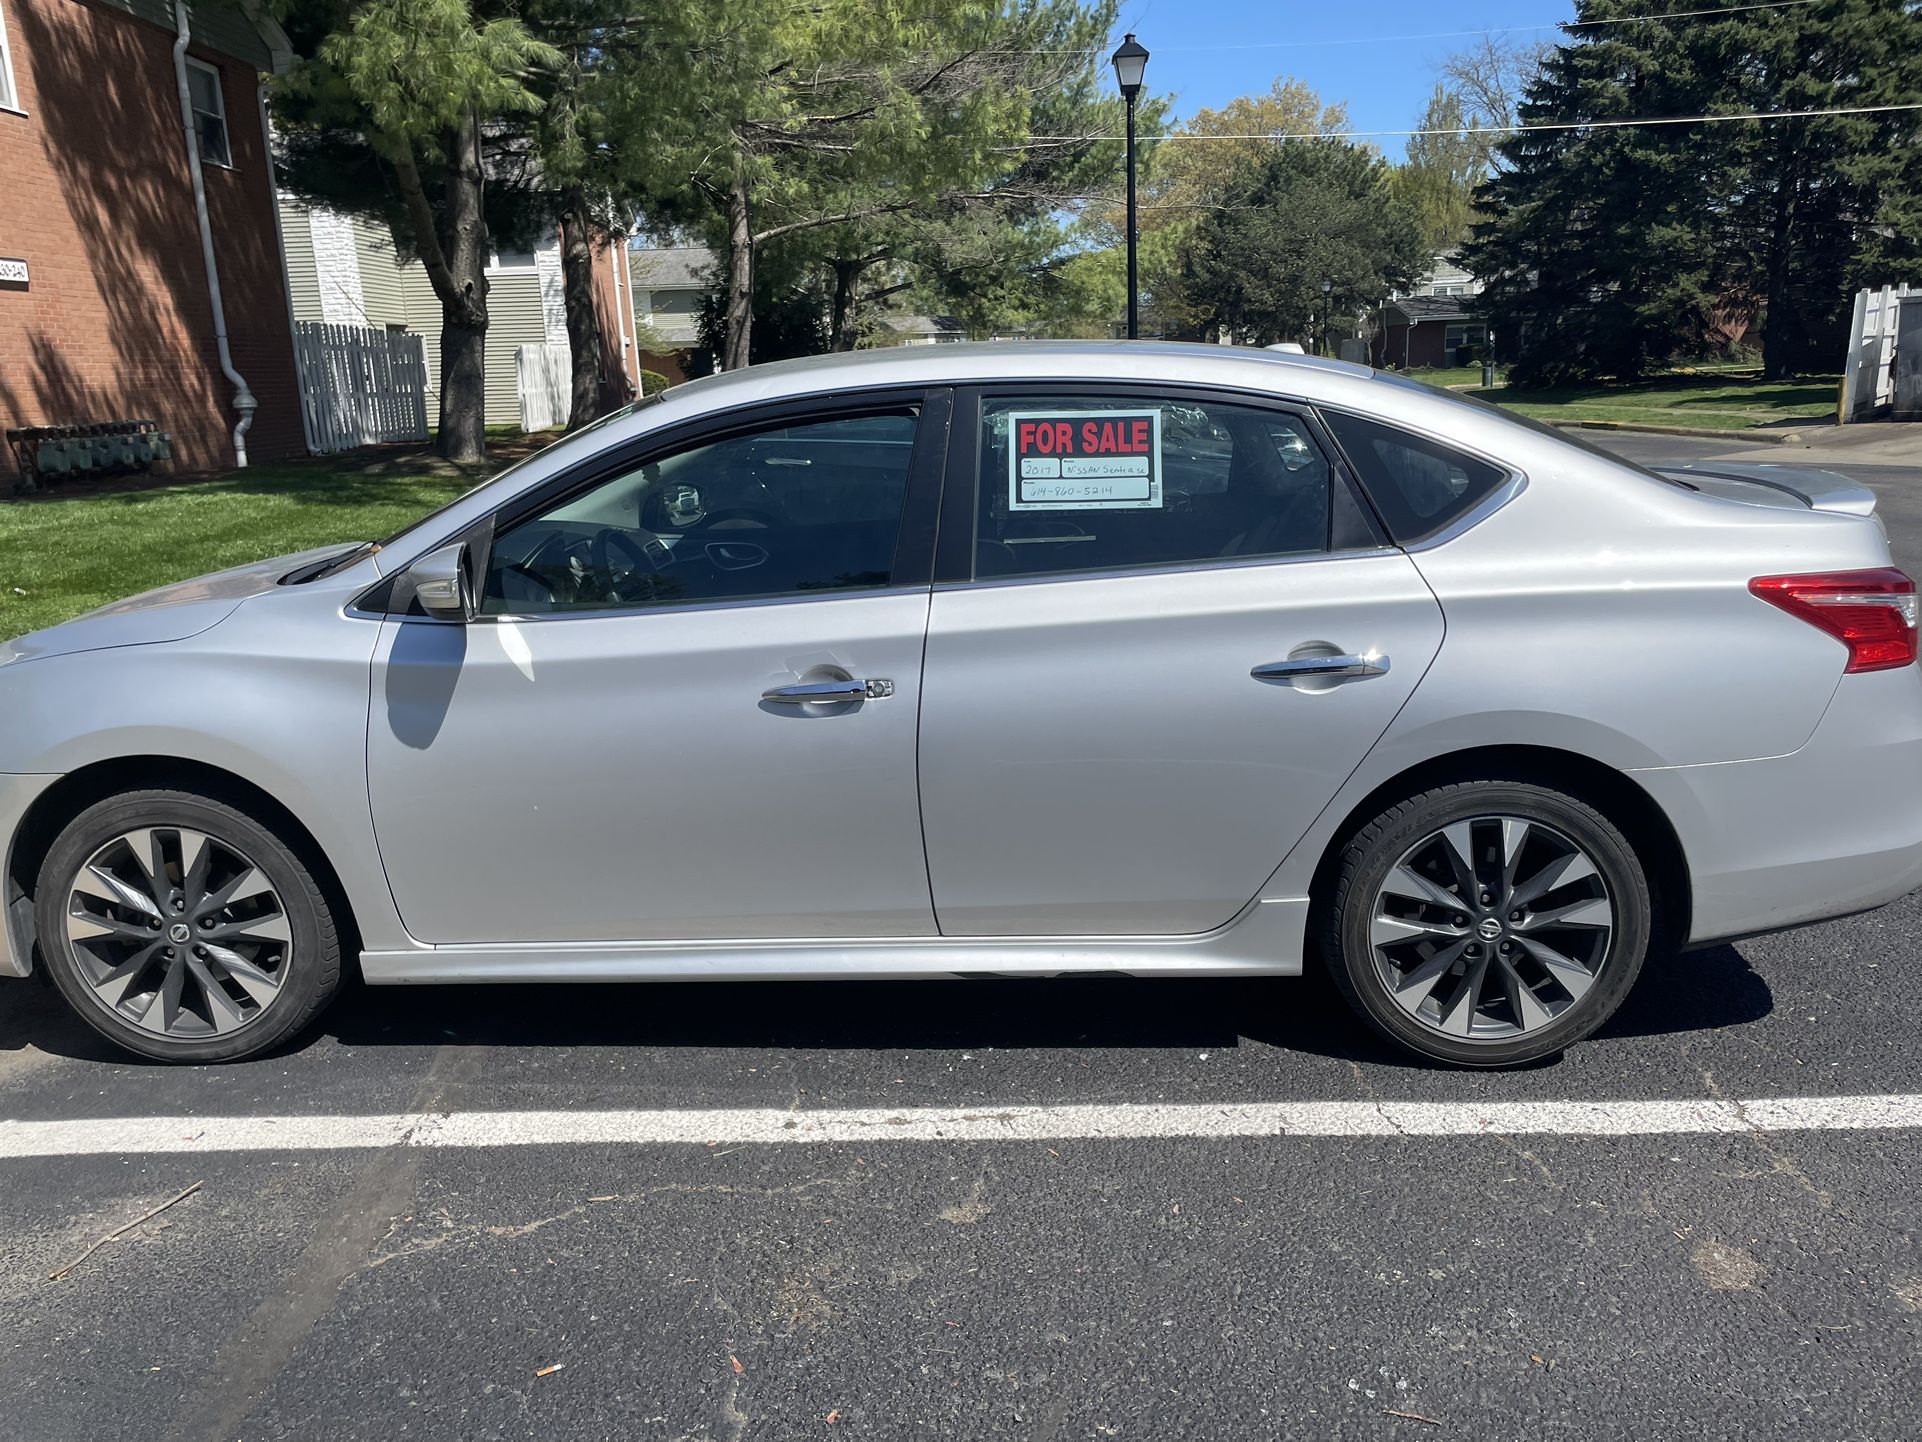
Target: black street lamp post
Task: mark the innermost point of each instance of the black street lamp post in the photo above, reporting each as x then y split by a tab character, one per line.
1130	65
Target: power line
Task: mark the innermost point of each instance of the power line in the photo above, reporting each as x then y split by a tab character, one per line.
1501	29
1494	129
1446	34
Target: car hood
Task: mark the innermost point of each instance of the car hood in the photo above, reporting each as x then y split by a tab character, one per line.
167	613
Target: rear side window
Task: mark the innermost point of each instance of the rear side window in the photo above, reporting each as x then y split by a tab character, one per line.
1100	483
1418	485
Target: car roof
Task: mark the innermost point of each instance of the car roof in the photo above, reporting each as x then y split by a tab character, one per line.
1307	377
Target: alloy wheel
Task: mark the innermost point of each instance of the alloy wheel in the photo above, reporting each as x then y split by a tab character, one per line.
1491	928
178	933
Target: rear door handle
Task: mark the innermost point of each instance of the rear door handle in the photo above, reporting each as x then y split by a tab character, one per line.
1372	664
827	693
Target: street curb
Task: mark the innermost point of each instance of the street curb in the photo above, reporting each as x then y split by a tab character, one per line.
1777	438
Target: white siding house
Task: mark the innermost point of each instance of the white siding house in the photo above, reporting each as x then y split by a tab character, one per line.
342	269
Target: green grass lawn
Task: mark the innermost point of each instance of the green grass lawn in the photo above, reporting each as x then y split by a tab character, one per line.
1719	400
1463	376
72	550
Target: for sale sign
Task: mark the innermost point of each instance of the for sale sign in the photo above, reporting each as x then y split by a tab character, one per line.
1084	460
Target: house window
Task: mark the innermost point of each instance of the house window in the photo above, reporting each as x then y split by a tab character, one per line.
9	96
510	259
210	113
1458	340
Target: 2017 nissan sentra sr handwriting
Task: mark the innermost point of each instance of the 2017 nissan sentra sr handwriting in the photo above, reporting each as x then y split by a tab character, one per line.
1009	659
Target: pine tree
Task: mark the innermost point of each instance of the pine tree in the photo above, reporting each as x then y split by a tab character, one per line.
1822	203
1608	250
391	110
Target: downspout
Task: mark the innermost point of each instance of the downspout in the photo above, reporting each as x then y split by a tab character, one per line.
244	401
623	312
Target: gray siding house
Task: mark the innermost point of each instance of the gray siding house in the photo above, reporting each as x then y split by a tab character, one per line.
342	269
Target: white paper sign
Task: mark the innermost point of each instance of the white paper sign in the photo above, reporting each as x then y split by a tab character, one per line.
1063	460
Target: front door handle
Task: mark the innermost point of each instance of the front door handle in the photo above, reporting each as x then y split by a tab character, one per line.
827	693
1372	664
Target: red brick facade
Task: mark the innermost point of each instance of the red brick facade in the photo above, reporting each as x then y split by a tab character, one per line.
1403	346
115	321
620	377
671	364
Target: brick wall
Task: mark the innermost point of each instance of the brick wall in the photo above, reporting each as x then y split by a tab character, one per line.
115	321
1398	346
620	382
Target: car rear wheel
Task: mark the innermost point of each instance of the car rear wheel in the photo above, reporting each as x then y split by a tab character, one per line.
1487	923
183	929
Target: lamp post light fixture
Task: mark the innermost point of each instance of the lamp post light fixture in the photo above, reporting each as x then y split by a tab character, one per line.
1130	66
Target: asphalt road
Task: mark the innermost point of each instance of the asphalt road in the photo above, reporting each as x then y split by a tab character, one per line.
1542	1279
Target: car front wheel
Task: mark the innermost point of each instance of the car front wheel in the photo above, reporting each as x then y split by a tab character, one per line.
183	929
1487	923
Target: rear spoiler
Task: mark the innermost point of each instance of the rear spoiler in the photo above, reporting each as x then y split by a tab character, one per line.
1818	490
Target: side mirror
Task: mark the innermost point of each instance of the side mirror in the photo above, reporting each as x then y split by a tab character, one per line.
440	583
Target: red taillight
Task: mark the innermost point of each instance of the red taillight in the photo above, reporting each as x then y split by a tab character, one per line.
1873	613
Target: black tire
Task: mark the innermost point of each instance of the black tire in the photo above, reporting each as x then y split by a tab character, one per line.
1363	868
312	963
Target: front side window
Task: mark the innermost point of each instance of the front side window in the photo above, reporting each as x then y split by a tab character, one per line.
809	508
210	113
1419	485
1069	484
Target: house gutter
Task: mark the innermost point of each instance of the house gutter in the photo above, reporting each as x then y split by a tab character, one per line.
623	313
244	402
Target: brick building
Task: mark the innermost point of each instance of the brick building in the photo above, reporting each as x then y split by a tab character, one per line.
1441	323
106	311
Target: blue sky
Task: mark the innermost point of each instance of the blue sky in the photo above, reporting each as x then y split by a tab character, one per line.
1206	52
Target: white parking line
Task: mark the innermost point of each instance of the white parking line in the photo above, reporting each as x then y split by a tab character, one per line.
134	1136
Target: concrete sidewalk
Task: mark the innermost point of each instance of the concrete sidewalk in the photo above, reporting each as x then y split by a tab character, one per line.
1867	443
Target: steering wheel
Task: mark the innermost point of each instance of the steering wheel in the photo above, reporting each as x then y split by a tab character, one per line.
638	581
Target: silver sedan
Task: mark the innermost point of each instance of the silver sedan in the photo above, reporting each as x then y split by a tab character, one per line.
987	660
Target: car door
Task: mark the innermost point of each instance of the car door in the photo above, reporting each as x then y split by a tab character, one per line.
1165	629
687	707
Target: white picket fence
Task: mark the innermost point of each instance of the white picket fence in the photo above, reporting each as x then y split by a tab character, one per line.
360	386
1868	378
544	376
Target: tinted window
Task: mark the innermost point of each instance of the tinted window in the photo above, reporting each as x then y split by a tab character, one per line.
1417	484
1088	484
806	508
